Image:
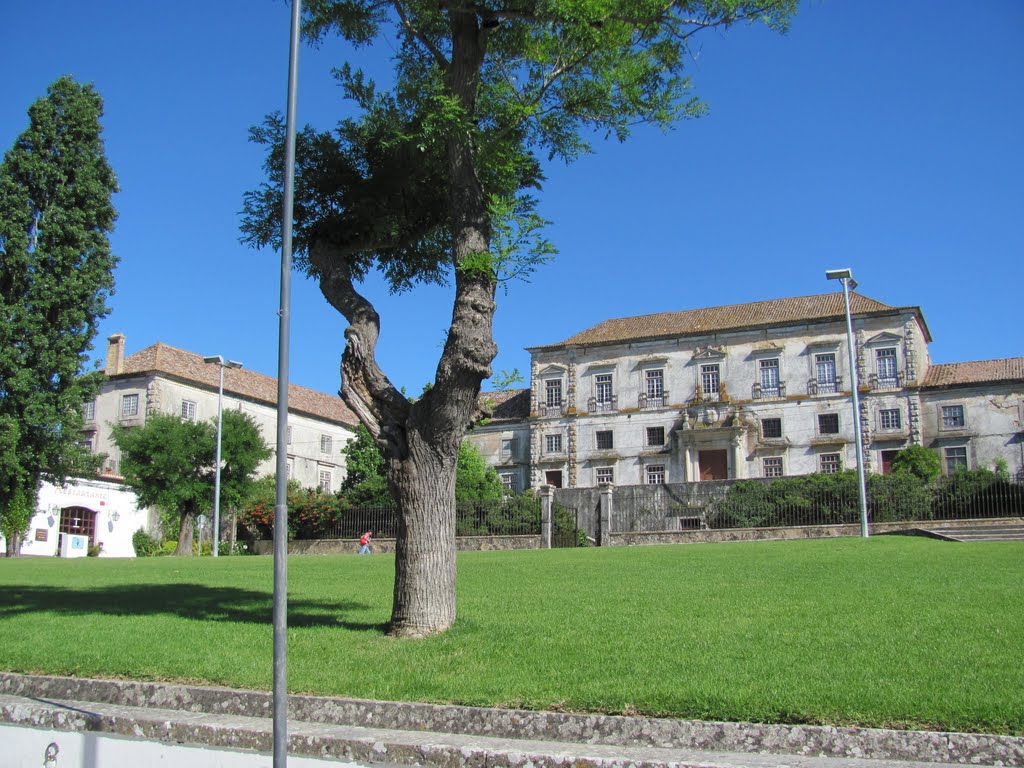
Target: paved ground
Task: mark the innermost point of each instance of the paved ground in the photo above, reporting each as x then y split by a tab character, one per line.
389	733
1007	532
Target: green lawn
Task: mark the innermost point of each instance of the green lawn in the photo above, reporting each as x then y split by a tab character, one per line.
889	631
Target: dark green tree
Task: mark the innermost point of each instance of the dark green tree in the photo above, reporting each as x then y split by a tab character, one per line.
365	481
475	479
919	461
431	183
56	272
170	463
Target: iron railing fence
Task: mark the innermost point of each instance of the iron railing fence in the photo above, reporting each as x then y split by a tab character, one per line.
820	500
514	516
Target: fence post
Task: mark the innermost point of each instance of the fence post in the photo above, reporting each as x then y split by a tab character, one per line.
604	525
547	498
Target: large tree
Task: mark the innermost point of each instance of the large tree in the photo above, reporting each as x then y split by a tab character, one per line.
431	182
56	272
170	463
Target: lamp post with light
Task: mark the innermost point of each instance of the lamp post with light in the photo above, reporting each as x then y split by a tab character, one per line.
220	361
845	276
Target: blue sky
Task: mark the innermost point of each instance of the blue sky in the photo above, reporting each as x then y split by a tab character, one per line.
883	135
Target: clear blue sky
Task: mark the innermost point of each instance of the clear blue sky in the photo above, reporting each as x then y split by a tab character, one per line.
883	135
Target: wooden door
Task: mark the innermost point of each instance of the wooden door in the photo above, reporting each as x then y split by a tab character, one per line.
714	465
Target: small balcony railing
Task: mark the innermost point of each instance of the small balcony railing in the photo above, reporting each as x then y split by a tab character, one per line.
552	409
825	387
772	392
877	381
653	401
603	406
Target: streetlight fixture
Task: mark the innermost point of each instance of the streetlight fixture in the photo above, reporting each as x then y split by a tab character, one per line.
220	361
845	276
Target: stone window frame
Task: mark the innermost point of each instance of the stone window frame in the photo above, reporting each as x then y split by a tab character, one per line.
765	432
509	481
130	405
830	416
89	411
890	419
955	457
604	475
655	443
324	479
326	444
189	410
772	466
830	463
655	474
605	436
554	443
948	419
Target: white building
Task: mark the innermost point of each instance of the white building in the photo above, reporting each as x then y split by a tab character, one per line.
755	390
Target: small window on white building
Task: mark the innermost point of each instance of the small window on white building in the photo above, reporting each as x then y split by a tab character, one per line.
324	480
655	436
829	463
710	379
604	476
129	406
771	429
553	443
828	423
655	474
952	416
603	440
326	444
956	458
890	418
288	430
89	411
188	410
289	464
772	466
511	481
86	443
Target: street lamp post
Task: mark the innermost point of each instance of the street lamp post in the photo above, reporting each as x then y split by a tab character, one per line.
220	361
845	276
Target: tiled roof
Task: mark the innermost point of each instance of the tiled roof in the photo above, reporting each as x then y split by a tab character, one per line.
689	322
507	404
975	372
189	366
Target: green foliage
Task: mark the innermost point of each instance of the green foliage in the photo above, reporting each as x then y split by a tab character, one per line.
919	461
475	479
94	549
365	482
144	544
56	272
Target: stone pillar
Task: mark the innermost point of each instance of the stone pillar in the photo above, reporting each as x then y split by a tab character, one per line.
547	500
604	524
738	462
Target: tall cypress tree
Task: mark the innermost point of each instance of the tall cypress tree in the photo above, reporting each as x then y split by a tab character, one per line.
56	272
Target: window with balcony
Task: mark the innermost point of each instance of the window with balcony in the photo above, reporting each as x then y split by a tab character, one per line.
552	443
825	373
604	476
890	418
769	378
772	466
188	410
953	417
956	458
553	393
129	406
653	395
603	440
710	380
829	463
655	474
771	429
828	423
655	437
326	444
603	397
886	370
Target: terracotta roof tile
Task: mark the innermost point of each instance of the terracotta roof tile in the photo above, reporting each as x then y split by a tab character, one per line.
506	404
974	372
189	366
691	322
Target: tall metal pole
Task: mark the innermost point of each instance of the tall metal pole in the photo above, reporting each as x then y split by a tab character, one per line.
858	435
280	703
216	481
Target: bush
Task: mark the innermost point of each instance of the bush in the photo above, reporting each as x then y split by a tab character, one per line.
919	461
94	550
145	545
168	548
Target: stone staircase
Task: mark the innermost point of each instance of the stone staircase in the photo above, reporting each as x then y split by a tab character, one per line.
1003	532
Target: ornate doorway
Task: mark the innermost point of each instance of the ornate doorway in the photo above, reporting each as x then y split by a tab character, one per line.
714	464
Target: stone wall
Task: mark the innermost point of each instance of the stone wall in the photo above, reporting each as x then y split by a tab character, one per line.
379	546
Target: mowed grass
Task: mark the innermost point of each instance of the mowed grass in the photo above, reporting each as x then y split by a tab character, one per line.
888	631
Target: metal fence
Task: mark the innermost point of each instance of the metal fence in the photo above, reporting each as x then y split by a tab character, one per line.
820	500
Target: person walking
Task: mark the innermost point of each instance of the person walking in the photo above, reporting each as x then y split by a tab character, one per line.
364	543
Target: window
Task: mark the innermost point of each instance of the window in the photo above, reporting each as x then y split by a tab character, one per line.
553	393
188	410
655	436
889	418
508	447
129	406
885	365
604	440
89	411
604	475
289	431
952	416
511	481
552	443
829	463
655	474
326	444
771	429
828	423
769	378
825	372
654	387
603	387
289	464
86	443
956	458
773	466
324	480
709	381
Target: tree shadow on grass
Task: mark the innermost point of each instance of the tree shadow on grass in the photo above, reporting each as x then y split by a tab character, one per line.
188	601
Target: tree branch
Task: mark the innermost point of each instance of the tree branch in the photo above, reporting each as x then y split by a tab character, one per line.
416	33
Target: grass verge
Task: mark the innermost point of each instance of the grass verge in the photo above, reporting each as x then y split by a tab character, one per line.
886	632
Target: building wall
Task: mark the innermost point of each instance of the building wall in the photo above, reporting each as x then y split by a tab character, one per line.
506	447
993	419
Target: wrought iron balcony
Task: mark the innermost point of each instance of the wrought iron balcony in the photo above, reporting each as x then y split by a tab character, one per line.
878	381
825	387
761	392
653	401
602	406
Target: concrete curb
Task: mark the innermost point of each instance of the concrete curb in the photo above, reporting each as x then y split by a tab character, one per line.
436	734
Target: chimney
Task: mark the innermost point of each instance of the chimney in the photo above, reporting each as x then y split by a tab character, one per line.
115	354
